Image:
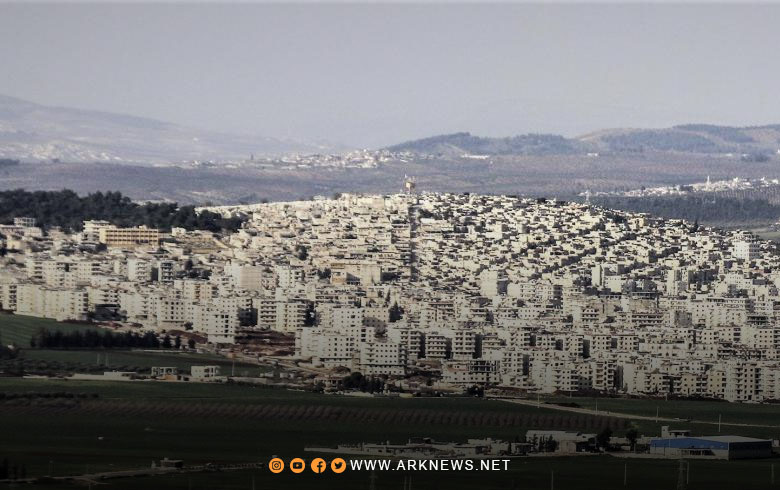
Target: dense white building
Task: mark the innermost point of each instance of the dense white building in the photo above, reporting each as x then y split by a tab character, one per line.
540	295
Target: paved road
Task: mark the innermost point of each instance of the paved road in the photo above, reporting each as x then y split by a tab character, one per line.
623	415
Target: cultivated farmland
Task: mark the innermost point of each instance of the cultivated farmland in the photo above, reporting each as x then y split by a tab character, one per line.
129	424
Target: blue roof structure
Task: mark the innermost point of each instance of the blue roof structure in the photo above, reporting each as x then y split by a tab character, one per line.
707	442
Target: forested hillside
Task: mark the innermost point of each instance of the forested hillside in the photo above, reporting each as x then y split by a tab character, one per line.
706	209
67	209
460	143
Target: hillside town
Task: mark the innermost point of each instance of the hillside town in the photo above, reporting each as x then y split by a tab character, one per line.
447	290
708	186
351	159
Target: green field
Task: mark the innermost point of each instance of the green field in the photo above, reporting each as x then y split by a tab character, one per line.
131	424
18	329
766	233
730	413
203	423
568	473
135	360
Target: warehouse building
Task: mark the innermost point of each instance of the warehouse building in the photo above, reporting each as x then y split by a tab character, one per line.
717	447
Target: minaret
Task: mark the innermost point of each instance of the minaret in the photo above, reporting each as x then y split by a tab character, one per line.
410	184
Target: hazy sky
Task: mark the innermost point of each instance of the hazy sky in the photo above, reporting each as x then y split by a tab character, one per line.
377	74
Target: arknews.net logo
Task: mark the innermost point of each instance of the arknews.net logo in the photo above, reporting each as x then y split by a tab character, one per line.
317	465
338	465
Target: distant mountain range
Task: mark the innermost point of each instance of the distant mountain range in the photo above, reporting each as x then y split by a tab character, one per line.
756	141
34	132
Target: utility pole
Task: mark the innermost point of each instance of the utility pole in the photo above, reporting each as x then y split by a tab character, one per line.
407	482
719	417
682	476
656	413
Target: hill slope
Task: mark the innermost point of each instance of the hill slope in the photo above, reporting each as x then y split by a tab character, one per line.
457	144
34	132
688	138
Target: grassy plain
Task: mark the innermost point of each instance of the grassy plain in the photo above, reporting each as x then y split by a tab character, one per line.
566	473
766	233
706	410
130	424
137	360
19	329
